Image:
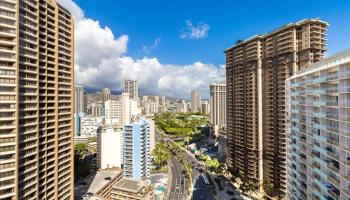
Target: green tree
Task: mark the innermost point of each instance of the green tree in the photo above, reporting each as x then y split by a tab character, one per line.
160	154
268	186
251	187
80	149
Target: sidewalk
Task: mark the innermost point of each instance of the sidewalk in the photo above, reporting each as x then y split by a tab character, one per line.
222	194
170	177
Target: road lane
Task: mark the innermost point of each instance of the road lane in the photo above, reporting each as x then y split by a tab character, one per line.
177	177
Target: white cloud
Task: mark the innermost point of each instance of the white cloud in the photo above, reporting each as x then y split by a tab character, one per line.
195	31
75	10
101	61
148	49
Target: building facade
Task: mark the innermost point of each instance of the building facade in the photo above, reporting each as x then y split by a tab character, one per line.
36	100
131	87
95	110
318	130
195	101
205	107
79	96
256	71
136	150
218	103
106	94
110	147
89	126
122	109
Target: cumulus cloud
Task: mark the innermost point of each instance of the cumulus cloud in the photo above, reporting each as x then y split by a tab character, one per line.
195	31
148	49
101	61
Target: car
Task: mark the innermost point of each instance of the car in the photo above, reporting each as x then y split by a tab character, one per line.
182	182
83	183
108	178
85	196
177	186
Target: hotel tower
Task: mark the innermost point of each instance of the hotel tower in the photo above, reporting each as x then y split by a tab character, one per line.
257	69
36	100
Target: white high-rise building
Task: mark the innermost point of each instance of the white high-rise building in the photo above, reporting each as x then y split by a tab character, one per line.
318	130
122	109
163	101
110	147
182	106
114	109
89	126
151	106
195	101
131	87
95	110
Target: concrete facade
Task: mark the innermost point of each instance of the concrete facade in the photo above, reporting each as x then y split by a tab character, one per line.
318	130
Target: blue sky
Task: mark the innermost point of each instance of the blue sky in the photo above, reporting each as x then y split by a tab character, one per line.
145	21
176	46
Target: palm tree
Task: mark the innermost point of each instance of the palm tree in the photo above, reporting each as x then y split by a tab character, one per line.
251	187
268	186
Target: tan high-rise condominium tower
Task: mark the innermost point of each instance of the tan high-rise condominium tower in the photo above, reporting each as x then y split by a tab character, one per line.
36	100
218	103
106	94
195	101
131	87
256	71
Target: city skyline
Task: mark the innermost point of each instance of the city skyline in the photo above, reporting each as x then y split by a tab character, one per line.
91	109
192	72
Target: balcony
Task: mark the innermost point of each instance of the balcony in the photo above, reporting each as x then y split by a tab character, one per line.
319	103
319	80
319	126
320	114
319	91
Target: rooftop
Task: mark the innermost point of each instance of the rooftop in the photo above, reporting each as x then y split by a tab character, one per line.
276	30
99	179
337	59
129	185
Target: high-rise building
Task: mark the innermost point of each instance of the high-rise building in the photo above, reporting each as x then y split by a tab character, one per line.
195	101
205	107
114	109
131	87
136	150
182	106
163	101
110	147
80	99
89	126
36	100
318	130
106	94
122	109
218	103
95	110
151	106
256	71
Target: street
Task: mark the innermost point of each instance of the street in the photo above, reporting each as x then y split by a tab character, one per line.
179	184
201	191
